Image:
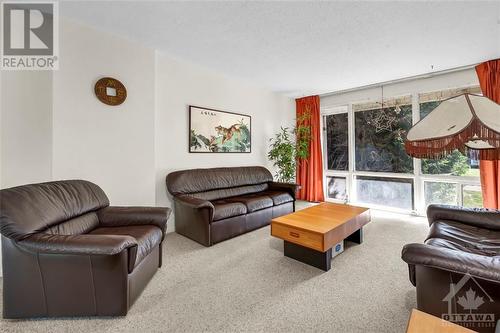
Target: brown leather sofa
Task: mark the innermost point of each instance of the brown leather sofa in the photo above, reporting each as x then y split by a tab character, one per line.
460	255
212	205
66	252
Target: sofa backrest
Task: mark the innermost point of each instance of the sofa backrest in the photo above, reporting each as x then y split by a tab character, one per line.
479	217
216	183
60	207
230	192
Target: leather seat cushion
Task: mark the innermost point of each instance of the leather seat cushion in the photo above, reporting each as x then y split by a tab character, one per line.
462	237
147	237
253	202
278	197
225	209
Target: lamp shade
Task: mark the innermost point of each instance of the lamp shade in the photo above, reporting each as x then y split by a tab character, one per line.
467	122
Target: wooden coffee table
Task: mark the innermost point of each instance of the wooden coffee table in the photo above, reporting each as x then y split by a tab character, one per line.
424	322
310	233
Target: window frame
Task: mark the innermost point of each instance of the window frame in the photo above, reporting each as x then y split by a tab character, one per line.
417	176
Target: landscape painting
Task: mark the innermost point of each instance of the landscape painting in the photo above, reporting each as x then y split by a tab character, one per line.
214	131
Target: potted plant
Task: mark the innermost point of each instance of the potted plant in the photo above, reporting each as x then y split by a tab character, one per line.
289	148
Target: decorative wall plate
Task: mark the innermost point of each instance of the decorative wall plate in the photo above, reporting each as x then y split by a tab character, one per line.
110	91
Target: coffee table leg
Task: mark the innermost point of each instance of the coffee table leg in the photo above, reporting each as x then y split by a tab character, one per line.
356	237
321	260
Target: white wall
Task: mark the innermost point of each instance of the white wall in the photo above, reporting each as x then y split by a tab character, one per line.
458	79
180	84
26	127
112	146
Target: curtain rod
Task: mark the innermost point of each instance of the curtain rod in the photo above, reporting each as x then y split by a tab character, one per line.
409	78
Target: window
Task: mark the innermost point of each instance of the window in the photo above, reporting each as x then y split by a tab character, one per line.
337	141
440	193
336	188
380	135
472	196
392	192
453	194
366	162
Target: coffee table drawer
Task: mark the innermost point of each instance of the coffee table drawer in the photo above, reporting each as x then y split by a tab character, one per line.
298	236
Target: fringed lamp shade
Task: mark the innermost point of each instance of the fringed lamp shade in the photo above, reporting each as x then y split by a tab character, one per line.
467	122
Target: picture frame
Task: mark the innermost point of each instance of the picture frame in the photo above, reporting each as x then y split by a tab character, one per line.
217	131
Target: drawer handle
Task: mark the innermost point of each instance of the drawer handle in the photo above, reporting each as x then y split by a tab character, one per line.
294	234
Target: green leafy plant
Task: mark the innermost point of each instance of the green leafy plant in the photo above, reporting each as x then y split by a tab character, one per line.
290	147
302	136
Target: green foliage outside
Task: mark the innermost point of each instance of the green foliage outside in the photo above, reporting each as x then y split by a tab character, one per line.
441	193
290	147
472	199
455	164
380	136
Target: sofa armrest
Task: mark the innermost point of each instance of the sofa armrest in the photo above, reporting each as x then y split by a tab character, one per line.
479	217
292	189
193	203
78	244
483	267
193	218
125	216
84	245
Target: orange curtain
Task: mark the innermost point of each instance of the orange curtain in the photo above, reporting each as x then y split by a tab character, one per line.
310	171
489	79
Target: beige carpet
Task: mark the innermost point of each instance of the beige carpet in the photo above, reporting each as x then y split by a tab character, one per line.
247	285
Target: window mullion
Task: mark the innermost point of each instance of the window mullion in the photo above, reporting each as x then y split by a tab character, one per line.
417	163
351	188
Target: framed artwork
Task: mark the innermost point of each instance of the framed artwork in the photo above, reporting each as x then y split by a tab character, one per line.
215	131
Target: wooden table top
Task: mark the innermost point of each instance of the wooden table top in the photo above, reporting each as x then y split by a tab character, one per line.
321	218
423	322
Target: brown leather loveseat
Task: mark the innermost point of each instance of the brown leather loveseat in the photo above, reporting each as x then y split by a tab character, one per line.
66	252
457	269
212	205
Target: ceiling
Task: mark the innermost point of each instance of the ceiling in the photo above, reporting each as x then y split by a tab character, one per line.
300	48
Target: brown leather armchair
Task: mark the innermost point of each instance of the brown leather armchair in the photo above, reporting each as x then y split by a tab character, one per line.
457	270
66	252
212	205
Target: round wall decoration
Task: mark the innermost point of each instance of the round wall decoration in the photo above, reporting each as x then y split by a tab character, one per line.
110	91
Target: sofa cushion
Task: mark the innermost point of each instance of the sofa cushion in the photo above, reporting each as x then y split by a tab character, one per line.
253	202
224	209
147	237
462	237
278	197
